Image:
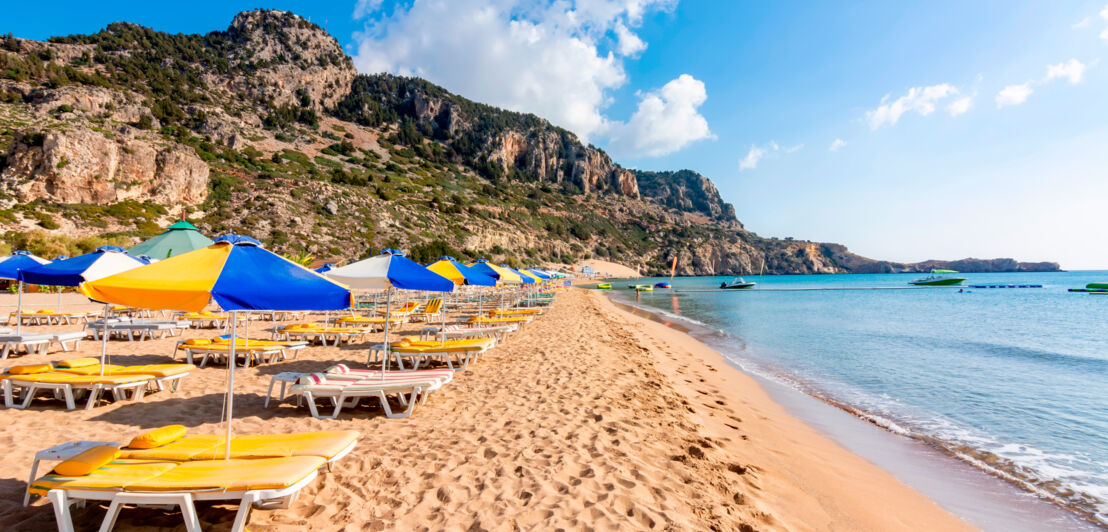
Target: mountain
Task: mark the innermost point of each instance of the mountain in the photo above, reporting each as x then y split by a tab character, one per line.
266	128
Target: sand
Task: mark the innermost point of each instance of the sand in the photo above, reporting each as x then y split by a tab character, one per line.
608	269
590	418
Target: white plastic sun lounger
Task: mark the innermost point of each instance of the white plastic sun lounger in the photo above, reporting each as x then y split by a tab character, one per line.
409	390
157	489
144	329
456	332
26	387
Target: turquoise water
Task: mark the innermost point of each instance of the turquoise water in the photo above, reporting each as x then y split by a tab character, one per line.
1013	380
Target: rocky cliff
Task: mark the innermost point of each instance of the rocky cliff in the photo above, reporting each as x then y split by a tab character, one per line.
265	128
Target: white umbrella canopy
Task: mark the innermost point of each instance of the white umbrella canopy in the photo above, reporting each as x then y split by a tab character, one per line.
389	270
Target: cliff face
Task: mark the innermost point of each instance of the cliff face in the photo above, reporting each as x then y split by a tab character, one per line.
266	129
685	190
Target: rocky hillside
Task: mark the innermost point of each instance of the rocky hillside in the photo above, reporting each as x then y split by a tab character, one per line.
266	129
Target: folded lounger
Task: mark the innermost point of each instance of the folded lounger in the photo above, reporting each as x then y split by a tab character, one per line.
405	385
45	379
432	309
100	474
163	374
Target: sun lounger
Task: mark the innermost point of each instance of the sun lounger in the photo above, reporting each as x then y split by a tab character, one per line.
144	329
455	332
39	342
515	312
325	335
520	320
372	323
67	385
164	375
265	482
329	445
456	354
51	317
347	393
430	311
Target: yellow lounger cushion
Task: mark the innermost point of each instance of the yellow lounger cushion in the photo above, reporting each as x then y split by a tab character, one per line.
88	461
30	369
78	380
79	362
111	477
198	341
325	444
45	311
233	475
158	437
157	371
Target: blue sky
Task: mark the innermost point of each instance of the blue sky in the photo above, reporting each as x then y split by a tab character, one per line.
995	153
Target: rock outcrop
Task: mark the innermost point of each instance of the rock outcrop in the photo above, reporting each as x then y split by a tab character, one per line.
84	166
685	190
289	58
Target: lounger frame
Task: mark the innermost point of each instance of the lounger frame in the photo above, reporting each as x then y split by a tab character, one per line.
62	499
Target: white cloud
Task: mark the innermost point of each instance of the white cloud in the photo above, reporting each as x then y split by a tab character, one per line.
770	150
1104	17
665	121
960	106
545	58
1073	70
363	8
1083	23
1013	94
752	157
921	100
628	43
836	144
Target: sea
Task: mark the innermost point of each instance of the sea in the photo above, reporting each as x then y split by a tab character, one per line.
1011	380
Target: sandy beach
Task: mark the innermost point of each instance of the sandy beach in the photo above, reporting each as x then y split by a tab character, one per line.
589	418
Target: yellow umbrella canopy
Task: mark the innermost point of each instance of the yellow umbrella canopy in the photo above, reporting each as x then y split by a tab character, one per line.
446	269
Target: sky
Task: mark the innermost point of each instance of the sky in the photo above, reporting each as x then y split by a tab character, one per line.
904	130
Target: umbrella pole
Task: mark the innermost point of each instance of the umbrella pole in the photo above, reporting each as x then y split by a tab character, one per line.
59	298
388	316
231	381
104	341
19	310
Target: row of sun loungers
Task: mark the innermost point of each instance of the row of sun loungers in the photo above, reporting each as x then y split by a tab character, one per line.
251	351
32	343
141	329
167	467
50	317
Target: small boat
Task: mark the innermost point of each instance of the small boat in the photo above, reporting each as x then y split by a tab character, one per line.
938	280
604	286
736	284
641	287
663	285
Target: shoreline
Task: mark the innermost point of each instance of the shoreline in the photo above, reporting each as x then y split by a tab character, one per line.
980	495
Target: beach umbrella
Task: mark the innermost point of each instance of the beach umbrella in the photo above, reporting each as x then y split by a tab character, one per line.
389	270
236	273
502	275
460	273
11	268
178	238
528	278
327	266
541	274
105	261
